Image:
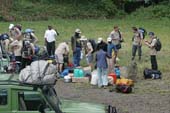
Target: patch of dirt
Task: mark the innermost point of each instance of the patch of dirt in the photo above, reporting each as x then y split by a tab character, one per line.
149	96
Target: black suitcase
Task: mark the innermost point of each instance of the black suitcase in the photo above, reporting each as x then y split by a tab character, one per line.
150	73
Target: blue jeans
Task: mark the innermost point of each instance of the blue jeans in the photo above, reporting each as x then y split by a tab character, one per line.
76	57
102	77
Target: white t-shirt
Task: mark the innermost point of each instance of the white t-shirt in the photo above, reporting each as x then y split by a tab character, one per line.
115	37
50	35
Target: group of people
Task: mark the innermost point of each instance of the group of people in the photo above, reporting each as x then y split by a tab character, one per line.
99	54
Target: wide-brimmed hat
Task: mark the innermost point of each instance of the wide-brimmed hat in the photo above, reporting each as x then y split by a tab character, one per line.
77	30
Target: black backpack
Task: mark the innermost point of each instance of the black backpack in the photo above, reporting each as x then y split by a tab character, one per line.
26	49
150	73
4	36
158	45
143	31
94	45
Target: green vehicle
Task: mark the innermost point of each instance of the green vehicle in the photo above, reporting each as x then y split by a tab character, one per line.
24	98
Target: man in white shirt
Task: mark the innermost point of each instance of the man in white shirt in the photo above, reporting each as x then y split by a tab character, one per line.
50	36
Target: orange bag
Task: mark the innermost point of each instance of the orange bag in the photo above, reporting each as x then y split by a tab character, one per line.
124	81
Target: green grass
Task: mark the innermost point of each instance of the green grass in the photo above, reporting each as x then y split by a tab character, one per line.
101	28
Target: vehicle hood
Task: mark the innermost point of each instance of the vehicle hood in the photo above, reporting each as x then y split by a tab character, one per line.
70	106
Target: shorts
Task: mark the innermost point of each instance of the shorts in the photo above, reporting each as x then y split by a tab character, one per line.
89	58
59	58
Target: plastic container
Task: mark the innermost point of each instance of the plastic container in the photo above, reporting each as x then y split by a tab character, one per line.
81	73
117	72
76	72
113	75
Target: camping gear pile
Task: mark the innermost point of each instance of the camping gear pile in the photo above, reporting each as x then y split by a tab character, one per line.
79	74
40	72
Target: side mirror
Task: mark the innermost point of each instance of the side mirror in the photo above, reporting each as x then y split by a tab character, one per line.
41	108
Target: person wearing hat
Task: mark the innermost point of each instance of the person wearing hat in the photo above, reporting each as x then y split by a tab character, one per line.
136	43
15	32
111	61
76	47
151	44
101	44
50	38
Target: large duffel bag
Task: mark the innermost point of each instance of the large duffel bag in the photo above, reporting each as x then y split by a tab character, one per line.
150	73
39	72
123	88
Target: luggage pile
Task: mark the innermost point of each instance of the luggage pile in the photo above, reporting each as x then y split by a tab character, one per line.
39	73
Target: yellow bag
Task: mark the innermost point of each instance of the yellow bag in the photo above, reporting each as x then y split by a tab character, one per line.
124	81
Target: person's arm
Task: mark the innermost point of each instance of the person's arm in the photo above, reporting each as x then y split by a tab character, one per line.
18	32
33	50
35	37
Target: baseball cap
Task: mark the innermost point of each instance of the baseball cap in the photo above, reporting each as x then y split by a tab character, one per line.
151	33
77	30
100	40
109	39
11	26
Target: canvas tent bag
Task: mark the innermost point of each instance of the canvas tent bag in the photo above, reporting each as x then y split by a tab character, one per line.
39	72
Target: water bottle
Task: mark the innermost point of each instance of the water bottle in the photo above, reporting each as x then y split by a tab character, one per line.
117	71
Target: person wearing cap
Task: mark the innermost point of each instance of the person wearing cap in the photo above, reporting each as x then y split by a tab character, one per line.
15	32
101	44
50	38
76	47
30	35
61	50
151	44
136	44
111	61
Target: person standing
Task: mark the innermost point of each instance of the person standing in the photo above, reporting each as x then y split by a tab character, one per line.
110	48
102	66
89	54
151	44
15	32
136	44
50	37
117	38
76	47
62	49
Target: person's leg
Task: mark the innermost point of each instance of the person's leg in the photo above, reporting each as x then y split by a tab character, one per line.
139	52
48	49
110	65
104	77
23	63
134	48
75	59
53	48
154	62
78	51
99	73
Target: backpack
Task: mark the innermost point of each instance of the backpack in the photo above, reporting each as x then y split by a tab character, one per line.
94	45
26	49
123	88
143	31
154	74
158	45
4	36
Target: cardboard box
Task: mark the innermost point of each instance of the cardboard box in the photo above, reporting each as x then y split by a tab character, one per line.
80	79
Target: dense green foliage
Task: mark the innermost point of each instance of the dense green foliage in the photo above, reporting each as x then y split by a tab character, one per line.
17	10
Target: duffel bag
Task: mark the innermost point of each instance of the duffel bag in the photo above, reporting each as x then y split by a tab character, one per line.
150	73
124	88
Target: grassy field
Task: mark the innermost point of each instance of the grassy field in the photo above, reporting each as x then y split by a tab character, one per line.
102	28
